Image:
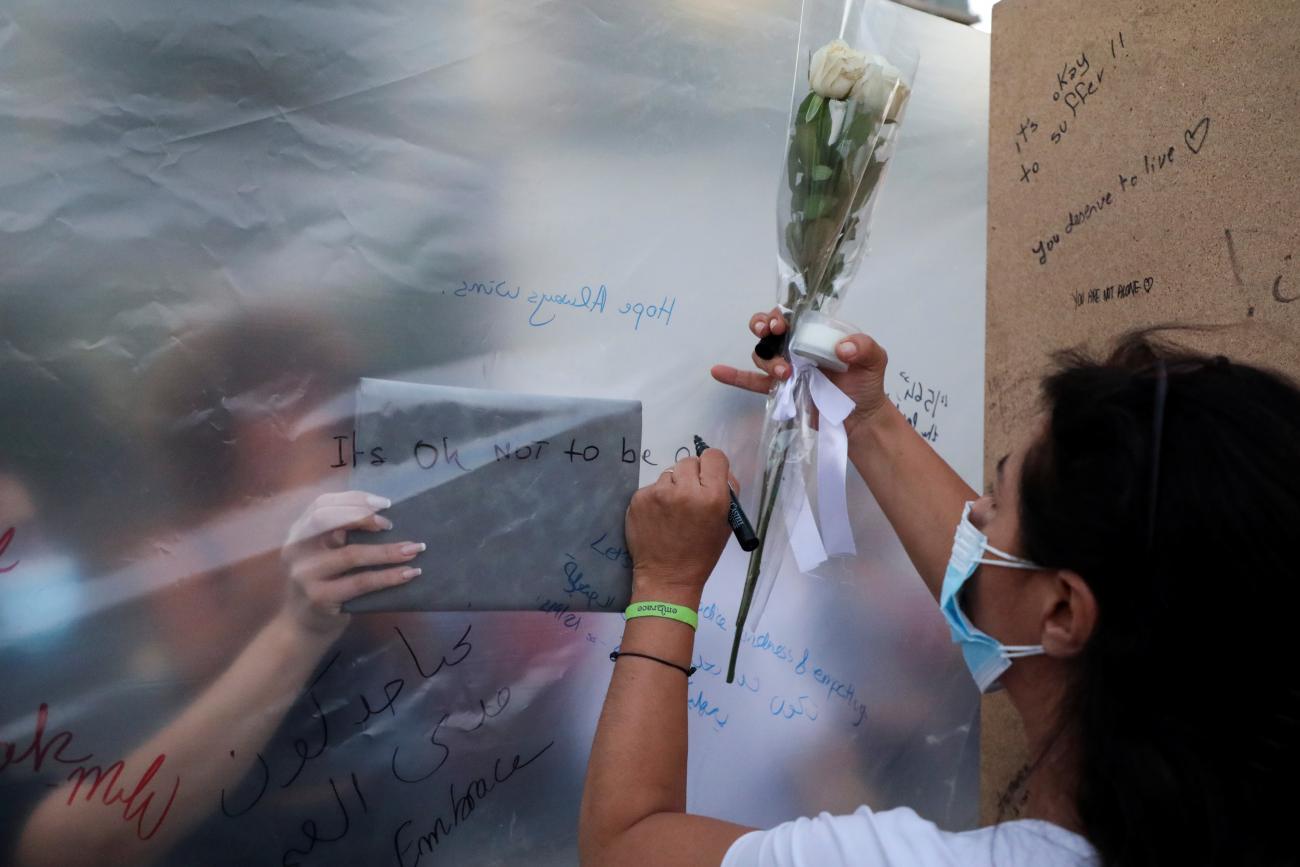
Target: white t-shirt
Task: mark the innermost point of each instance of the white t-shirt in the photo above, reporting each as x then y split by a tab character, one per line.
901	838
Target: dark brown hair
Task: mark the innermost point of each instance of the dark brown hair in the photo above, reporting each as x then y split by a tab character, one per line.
1182	512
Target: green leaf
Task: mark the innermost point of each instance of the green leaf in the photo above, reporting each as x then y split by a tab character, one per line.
859	129
824	124
804	146
794	241
870	180
843	186
814	105
803	106
815	207
821	173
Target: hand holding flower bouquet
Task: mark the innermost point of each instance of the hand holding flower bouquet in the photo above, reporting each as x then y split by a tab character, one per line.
842	134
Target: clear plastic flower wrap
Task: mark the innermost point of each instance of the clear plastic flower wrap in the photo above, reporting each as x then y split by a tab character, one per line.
852	84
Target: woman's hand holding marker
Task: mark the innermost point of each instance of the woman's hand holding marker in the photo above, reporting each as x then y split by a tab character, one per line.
677	528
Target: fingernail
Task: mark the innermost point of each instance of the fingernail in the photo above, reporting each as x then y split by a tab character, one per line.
408	574
384	523
773	322
780	371
759	328
379	502
848	349
410	548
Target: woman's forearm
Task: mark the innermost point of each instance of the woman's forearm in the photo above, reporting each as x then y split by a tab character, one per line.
634	802
638	758
206	749
919	493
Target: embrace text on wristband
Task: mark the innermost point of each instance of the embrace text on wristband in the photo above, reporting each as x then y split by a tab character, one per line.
667	610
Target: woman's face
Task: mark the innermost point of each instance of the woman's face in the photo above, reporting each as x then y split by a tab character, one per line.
995	598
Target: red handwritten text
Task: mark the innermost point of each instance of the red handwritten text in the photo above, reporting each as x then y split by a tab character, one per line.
131	810
135	805
5	538
39	749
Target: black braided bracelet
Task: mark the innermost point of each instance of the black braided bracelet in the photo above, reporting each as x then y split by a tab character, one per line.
613	657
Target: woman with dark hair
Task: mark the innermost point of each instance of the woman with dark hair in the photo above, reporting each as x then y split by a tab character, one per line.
1129	579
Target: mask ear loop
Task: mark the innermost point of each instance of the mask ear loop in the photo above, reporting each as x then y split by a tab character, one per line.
1013	651
1011	561
1157	436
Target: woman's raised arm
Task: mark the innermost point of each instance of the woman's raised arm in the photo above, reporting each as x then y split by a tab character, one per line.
919	493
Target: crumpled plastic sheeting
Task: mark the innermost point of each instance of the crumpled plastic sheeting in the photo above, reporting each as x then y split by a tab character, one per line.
216	217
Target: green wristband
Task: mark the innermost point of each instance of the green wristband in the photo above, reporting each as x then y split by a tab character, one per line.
667	610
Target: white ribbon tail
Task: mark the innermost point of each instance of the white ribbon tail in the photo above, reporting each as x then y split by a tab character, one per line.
805	541
834	407
810	547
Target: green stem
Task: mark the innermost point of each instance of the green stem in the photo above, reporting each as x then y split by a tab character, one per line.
767	506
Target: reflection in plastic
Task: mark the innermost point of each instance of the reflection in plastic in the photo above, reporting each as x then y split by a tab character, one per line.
226	214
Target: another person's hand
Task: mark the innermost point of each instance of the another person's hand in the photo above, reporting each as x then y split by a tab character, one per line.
320	563
677	527
863	382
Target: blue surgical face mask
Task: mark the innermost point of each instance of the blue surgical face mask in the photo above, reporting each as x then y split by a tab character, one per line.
986	657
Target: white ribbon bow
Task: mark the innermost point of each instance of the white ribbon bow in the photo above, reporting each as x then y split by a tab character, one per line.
833	406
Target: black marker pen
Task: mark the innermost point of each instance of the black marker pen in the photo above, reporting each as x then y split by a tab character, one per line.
740	525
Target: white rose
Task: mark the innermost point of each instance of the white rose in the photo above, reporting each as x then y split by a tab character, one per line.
874	89
835	68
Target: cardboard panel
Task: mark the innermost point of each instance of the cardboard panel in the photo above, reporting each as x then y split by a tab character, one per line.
1143	169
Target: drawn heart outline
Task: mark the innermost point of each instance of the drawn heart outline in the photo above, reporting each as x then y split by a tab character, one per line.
1197	132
